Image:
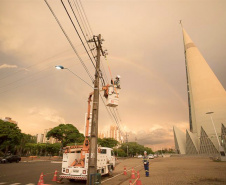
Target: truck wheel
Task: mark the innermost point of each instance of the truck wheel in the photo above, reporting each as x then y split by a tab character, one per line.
71	180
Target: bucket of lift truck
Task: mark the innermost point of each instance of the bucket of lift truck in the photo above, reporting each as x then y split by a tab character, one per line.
96	178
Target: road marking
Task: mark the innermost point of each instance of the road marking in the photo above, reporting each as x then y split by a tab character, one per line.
119	174
3	182
56	161
15	183
30	184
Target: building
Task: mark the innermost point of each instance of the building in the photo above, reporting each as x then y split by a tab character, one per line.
207	106
40	138
115	133
8	119
51	140
101	135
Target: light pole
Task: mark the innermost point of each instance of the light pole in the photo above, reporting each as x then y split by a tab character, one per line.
214	127
221	150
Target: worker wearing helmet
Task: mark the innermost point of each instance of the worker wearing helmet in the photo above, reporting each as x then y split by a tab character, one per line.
117	81
146	164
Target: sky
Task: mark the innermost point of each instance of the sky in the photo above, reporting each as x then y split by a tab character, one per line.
145	47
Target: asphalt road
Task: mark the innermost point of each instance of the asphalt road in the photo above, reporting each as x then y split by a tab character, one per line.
28	173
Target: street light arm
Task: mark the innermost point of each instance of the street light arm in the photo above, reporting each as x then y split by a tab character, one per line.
79	77
62	67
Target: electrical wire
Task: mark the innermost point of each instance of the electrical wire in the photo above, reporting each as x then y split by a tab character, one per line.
80	27
86	27
76	30
79	77
86	18
80	59
99	72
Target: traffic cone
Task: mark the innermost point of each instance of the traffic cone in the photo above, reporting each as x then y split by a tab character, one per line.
133	174
130	182
55	176
125	173
138	179
41	180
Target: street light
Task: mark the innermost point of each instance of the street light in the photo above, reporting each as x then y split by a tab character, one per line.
59	67
221	150
214	127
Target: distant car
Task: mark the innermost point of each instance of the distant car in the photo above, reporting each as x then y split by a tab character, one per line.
11	158
155	155
150	156
139	156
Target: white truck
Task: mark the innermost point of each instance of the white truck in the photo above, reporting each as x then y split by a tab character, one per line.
76	158
72	170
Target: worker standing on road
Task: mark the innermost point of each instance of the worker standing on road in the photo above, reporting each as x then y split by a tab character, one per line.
146	164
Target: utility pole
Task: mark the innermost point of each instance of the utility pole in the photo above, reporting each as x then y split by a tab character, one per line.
92	165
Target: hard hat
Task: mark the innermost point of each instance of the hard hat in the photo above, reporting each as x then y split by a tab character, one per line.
118	76
145	152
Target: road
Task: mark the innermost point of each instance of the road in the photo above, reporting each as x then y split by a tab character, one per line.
171	170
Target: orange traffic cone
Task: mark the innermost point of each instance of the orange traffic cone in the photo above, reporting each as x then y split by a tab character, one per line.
130	182
133	174
125	173
138	179
55	176
41	180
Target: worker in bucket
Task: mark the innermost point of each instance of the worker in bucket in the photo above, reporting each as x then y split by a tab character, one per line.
117	81
146	164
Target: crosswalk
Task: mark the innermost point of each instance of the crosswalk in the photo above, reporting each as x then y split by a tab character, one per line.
6	183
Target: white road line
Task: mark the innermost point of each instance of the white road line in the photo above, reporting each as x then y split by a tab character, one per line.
56	161
3	182
15	184
30	184
119	174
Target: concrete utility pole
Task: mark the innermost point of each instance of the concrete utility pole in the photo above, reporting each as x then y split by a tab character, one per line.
92	169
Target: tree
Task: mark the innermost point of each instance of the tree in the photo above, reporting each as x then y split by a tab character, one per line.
53	149
10	136
107	142
135	148
119	152
66	133
26	138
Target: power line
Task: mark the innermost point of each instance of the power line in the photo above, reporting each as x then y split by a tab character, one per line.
82	19
81	27
86	17
80	59
86	27
103	82
76	29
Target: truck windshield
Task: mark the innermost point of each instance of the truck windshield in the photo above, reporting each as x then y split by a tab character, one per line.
103	151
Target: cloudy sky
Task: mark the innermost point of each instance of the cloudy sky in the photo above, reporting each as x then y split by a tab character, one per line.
145	45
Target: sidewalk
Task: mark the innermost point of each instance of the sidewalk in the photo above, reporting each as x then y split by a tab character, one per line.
174	171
